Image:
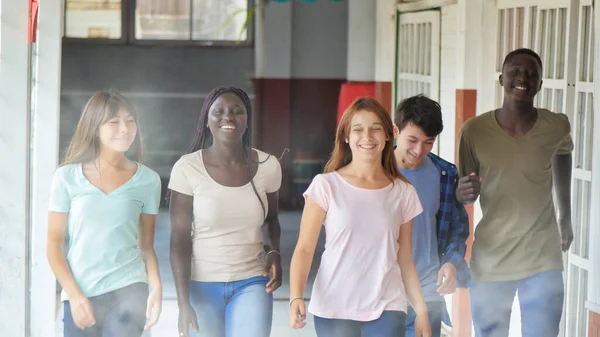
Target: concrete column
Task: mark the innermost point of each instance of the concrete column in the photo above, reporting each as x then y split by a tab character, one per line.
14	168
45	100
469	70
277	49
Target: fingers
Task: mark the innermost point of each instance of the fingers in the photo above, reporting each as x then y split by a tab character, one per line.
440	278
88	315
83	315
275	281
157	306
298	314
447	288
195	324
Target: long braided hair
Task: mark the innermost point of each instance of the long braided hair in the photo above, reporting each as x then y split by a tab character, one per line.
203	137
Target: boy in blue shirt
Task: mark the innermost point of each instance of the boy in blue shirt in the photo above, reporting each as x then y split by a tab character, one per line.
441	231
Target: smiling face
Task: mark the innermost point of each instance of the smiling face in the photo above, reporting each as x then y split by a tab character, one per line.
367	137
227	118
521	78
119	132
413	145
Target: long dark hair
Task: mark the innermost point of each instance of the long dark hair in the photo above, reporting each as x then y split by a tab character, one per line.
100	108
203	137
342	155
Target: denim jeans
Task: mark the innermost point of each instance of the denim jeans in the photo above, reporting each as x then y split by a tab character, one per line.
434	311
541	299
232	309
389	324
119	313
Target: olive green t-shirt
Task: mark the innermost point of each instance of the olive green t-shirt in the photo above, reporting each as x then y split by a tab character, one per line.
518	235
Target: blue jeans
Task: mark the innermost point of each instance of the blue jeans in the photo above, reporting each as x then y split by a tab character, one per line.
434	311
119	313
232	309
389	324
541	299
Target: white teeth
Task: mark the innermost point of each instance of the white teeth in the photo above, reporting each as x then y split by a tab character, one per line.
228	127
368	146
518	87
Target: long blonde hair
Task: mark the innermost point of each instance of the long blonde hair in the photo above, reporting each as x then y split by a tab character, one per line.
342	155
100	108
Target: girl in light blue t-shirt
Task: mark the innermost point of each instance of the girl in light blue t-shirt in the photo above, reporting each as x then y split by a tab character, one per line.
107	204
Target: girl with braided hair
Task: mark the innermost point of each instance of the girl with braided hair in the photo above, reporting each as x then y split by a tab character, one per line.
225	193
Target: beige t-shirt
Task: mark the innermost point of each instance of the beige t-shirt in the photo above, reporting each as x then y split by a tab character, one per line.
518	235
227	243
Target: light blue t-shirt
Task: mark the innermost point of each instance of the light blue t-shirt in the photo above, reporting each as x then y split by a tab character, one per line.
426	179
103	228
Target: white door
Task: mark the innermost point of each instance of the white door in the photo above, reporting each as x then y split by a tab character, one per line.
581	117
561	32
418	56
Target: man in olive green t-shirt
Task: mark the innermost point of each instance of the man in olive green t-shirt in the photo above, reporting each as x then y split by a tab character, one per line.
510	157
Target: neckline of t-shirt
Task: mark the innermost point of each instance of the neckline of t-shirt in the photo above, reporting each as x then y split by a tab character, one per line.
506	134
362	188
130	180
418	169
200	156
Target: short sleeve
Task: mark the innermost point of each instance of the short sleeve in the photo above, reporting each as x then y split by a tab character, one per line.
274	179
152	203
179	181
319	191
60	200
467	161
566	144
410	205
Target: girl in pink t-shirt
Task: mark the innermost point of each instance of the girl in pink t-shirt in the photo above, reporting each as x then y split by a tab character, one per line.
367	208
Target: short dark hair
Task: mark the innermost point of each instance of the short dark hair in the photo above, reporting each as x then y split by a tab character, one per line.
423	112
523	51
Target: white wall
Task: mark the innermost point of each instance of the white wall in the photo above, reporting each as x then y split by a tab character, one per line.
448	74
14	168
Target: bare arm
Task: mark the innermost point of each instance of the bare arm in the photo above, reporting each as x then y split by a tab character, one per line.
146	243
273	258
310	228
81	308
409	271
561	175
57	226
273	226
180	212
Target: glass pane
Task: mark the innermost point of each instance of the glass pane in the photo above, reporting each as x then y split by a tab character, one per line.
93	19
162	20
220	20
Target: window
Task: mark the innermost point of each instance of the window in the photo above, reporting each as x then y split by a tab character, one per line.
195	21
93	19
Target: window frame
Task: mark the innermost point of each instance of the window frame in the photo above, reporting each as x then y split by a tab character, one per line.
128	32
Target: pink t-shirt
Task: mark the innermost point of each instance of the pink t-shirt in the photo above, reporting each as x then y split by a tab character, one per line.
359	276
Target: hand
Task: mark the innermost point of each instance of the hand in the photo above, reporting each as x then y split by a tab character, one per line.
422	326
446	279
82	312
468	188
297	314
187	316
566	232
153	307
273	267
